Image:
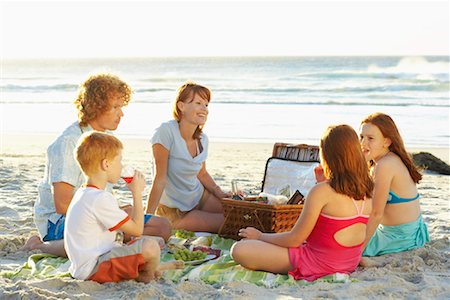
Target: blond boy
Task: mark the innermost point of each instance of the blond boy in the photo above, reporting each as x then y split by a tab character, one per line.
95	224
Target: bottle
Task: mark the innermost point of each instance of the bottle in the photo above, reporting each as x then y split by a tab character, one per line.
235	190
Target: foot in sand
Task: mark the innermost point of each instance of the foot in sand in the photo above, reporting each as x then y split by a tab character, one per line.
148	276
171	265
366	262
33	243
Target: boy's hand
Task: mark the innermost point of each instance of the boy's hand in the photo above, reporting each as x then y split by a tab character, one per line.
138	183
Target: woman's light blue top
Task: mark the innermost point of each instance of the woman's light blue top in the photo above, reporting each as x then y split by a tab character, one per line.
183	189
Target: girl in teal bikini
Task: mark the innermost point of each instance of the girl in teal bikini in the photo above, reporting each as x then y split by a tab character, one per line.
395	223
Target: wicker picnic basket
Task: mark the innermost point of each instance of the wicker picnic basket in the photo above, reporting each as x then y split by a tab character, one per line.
266	217
300	152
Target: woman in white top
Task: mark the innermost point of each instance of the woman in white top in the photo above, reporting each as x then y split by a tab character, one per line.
182	190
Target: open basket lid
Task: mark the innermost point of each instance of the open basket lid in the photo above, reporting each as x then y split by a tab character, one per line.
281	173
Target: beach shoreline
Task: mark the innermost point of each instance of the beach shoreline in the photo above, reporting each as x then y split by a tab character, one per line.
36	144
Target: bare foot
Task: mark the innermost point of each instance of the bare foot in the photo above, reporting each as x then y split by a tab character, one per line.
171	265
148	276
33	243
144	277
366	262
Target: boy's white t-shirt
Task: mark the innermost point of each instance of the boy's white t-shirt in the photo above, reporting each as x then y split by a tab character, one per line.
92	220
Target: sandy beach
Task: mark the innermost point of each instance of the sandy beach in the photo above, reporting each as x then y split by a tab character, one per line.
418	274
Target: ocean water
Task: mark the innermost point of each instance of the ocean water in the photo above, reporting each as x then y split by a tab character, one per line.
255	99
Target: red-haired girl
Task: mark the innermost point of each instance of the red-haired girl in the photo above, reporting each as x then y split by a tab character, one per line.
330	232
395	223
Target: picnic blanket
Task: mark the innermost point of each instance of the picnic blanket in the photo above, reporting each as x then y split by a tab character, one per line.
217	271
41	265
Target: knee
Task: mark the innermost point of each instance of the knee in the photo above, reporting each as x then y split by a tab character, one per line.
150	249
159	226
237	251
166	228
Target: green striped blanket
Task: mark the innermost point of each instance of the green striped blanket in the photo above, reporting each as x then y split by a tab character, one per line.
220	270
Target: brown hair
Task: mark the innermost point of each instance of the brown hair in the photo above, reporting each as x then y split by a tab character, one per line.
390	131
95	93
186	93
93	147
344	163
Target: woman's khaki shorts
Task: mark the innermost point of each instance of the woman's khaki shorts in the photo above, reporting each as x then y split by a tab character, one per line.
174	215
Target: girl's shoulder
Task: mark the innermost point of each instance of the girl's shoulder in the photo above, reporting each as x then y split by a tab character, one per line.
389	160
322	192
390	165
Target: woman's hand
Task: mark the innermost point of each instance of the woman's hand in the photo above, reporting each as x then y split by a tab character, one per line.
250	233
217	191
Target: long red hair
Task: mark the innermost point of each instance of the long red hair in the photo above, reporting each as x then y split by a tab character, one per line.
390	131
343	162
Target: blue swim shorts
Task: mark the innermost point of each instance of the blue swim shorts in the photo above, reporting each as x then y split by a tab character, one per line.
55	231
147	217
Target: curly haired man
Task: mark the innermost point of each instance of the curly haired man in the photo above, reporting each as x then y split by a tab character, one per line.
99	103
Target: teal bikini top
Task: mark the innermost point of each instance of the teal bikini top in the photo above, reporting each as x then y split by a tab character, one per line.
394	199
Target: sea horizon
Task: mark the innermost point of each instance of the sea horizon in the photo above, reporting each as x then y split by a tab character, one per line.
254	98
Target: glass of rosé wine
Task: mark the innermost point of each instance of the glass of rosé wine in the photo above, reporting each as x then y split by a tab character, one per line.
127	173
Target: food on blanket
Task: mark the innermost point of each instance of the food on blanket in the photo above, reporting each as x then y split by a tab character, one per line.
208	250
175	247
184	234
186	255
202	241
174	241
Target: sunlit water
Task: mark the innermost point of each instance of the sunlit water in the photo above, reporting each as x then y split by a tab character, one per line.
264	99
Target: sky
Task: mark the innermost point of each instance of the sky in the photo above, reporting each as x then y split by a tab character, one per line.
214	28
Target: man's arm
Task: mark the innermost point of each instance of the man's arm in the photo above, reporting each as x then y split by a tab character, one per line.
62	196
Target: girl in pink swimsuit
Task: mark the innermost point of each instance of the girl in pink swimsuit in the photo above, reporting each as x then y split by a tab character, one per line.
331	229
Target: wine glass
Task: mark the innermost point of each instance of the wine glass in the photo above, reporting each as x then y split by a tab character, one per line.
127	173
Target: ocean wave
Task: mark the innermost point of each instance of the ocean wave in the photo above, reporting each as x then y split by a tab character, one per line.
25	78
413	65
418	68
343	100
356	88
39	88
153	90
388	102
363	75
362	88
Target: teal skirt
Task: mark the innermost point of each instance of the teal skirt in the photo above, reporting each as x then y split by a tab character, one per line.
391	239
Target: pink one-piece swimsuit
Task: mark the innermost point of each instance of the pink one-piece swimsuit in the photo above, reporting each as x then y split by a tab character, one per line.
321	254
